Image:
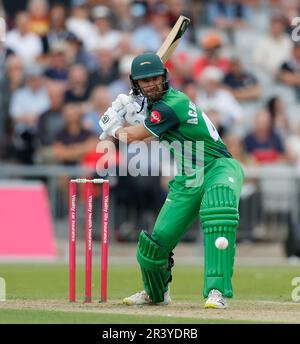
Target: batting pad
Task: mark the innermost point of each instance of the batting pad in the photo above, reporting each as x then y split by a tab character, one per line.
155	267
219	217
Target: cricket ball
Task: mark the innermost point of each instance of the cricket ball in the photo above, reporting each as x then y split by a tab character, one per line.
221	243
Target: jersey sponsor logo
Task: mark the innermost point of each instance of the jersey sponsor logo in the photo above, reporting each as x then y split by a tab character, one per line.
155	117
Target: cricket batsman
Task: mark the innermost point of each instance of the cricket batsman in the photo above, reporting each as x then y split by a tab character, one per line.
172	117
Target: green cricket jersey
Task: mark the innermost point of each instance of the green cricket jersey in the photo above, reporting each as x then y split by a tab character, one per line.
185	130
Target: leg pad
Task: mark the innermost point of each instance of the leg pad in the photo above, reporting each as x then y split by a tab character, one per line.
219	217
156	263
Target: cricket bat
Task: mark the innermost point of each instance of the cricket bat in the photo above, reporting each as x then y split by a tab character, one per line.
173	38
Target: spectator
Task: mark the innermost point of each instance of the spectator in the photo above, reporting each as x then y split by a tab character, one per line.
11	8
228	15
57	30
242	84
4	53
214	115
38	11
236	147
250	203
289	72
58	68
149	37
70	147
29	102
279	117
78	87
26	106
105	37
211	45
190	88
77	54
273	48
122	84
179	67
124	47
51	121
263	145
177	8
122	15
100	102
149	6
13	80
213	96
108	70
25	44
79	23
73	142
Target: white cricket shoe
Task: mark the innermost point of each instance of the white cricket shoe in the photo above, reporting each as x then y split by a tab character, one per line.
142	298
216	300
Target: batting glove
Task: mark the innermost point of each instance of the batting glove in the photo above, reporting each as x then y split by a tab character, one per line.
110	122
128	109
132	116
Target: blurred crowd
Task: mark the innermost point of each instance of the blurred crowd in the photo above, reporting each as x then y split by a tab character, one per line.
63	62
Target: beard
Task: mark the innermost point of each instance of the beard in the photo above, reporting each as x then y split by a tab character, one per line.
153	93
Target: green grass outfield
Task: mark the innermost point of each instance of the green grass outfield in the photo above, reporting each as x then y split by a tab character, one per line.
38	293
